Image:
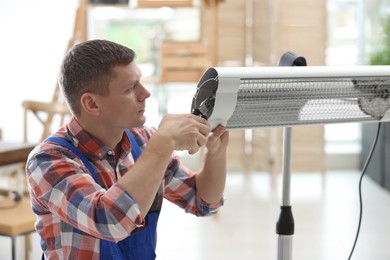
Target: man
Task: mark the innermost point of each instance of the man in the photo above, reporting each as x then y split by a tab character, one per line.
91	198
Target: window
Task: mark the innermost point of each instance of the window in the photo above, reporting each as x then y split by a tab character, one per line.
143	30
343	49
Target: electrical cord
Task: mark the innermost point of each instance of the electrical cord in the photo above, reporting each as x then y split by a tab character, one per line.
360	186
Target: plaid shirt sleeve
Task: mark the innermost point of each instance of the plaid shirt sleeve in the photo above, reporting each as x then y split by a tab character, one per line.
180	187
60	184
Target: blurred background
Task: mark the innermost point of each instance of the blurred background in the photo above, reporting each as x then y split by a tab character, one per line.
175	42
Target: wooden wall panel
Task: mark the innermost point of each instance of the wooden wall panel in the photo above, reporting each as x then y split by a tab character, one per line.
301	27
290	25
231	30
262	32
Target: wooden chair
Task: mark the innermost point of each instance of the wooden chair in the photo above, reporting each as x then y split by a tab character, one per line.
52	108
17	220
46	111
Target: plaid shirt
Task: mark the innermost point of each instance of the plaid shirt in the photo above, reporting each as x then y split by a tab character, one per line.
74	212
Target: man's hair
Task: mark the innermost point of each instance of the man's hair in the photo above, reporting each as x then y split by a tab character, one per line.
89	67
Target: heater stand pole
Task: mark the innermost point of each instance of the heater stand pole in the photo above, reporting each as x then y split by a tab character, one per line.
285	224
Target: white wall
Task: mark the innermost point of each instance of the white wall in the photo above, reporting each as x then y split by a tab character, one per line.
33	40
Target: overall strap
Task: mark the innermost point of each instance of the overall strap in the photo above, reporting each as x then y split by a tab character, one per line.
76	151
135	151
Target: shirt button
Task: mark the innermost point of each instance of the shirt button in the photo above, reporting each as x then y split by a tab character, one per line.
110	152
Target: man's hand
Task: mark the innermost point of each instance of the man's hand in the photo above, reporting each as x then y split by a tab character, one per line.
210	181
186	132
175	132
217	141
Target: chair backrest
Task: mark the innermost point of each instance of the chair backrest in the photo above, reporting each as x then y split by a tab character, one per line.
46	111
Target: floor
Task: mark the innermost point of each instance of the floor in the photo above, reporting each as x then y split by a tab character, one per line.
325	208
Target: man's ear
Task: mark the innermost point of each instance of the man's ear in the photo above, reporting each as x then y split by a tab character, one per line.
89	104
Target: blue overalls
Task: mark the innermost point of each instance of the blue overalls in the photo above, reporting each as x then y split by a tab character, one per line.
141	244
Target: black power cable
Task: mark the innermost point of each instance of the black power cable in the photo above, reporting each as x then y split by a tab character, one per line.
360	186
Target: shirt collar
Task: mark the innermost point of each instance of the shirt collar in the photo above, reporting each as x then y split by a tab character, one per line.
90	145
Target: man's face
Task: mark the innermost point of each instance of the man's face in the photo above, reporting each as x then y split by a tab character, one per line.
124	107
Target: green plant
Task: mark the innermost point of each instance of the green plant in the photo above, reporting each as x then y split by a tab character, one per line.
382	55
